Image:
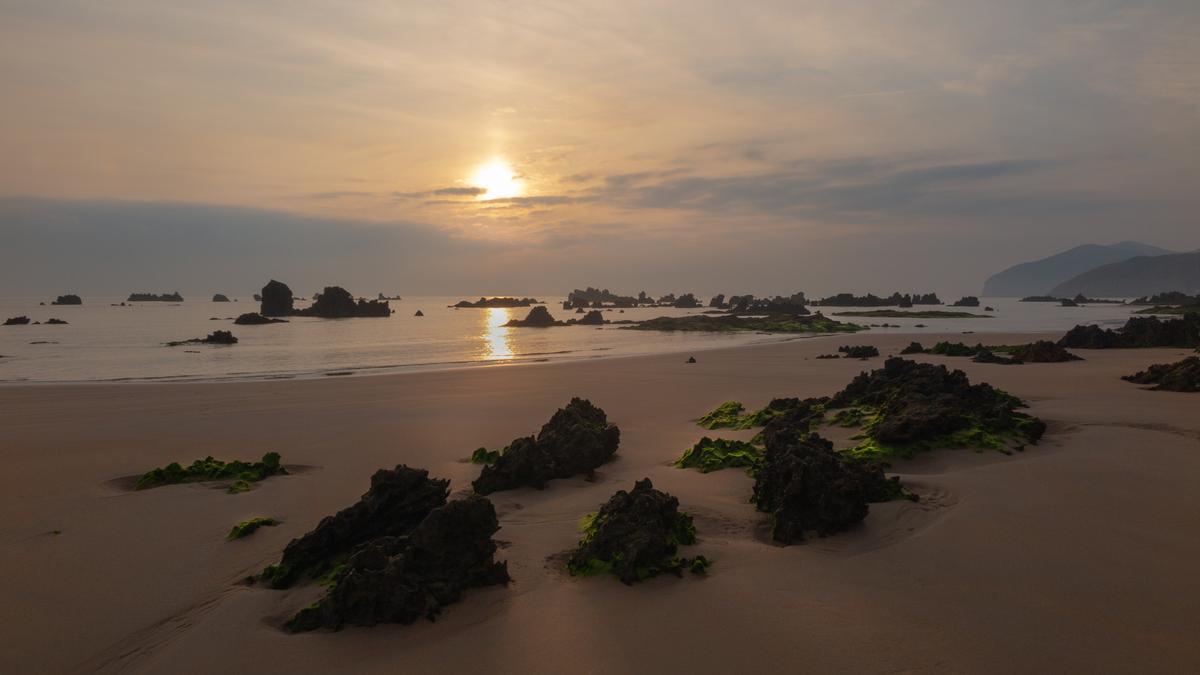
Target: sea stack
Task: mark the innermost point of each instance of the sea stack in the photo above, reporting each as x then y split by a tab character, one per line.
276	299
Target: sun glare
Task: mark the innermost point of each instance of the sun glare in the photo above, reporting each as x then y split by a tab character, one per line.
498	179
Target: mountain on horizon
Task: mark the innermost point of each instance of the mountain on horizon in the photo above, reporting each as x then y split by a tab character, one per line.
1143	275
1040	276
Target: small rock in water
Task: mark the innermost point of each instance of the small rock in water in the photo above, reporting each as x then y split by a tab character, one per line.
691	359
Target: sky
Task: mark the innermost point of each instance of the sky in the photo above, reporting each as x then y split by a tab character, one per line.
481	147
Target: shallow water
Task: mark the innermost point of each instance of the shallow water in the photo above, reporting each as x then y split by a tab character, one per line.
112	343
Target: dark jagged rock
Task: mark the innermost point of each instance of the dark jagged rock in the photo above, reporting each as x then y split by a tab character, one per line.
276	299
916	406
538	317
336	302
498	302
1067	302
1179	376
68	299
986	355
218	297
913	348
419	313
401	578
576	440
791	419
1139	331
717	301
635	535
714	454
151	297
691	359
397	501
795	304
967	301
596	297
686	301
55	322
255	319
919	314
1039	298
592	318
217	337
1170	298
869	300
989	309
954	349
828	357
859	351
808	487
213	469
1042	351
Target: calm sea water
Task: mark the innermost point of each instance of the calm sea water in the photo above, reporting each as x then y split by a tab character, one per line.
107	343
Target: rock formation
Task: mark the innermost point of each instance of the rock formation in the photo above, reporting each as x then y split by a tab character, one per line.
498	302
967	301
538	317
636	535
55	322
592	318
336	302
1180	376
150	297
1042	351
419	313
218	297
1139	331
277	299
69	299
859	351
255	319
218	337
576	440
16	321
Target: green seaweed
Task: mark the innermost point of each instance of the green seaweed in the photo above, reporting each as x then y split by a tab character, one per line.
699	565
214	469
710	454
248	527
728	414
485	456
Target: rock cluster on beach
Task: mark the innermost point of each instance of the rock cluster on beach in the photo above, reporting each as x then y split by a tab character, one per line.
636	535
334	302
68	299
576	440
1138	331
859	351
915	406
401	552
1041	351
1179	376
209	469
151	297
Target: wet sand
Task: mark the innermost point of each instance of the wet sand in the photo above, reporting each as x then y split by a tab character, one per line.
1078	554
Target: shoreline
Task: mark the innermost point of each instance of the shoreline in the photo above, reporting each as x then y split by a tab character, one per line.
974	578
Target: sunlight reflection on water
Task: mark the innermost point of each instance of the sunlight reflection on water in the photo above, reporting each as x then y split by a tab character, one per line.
497	343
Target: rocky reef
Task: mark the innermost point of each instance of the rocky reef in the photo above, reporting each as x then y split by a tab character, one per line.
815	323
217	337
1179	376
209	469
576	440
336	302
859	351
906	407
636	535
68	299
277	299
497	302
151	297
255	319
792	305
869	300
597	297
399	578
1138	331
538	317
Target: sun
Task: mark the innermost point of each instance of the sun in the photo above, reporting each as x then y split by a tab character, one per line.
498	179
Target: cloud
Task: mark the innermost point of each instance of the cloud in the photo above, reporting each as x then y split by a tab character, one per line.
443	192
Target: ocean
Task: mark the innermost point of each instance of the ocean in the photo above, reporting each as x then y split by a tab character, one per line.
105	342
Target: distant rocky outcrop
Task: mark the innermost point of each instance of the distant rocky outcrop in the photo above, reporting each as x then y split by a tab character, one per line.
277	299
597	297
869	300
151	297
17	321
576	440
592	318
55	322
218	297
336	302
1138	276
967	301
255	319
1138	331
1042	351
498	302
538	317
218	337
686	301
68	299
1180	376
794	304
1044	276
419	313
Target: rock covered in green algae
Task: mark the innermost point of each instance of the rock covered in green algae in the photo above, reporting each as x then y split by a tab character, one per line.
576	440
397	501
636	535
1179	376
1042	351
1138	331
710	454
859	351
729	414
400	578
249	527
915	406
213	469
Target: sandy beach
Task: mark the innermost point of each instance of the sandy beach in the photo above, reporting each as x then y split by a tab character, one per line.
1076	555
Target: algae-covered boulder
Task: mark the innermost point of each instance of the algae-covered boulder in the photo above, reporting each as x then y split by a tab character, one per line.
1180	376
1043	351
276	299
397	501
538	317
714	454
911	406
576	440
399	578
986	355
913	348
213	469
859	351
636	535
